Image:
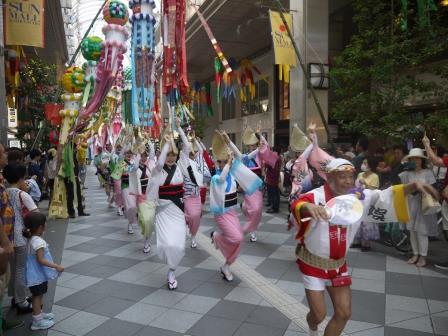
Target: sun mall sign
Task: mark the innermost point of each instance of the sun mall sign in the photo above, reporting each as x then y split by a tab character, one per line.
24	22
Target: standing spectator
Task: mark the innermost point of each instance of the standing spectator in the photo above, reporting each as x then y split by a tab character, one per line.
369	180
39	269
15	156
398	165
82	161
362	151
34	167
438	162
21	203
70	186
6	241
51	170
272	180
420	225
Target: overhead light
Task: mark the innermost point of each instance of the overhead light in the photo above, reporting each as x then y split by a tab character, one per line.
319	75
444	2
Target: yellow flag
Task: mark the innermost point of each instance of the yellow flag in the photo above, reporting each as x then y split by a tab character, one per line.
24	23
283	48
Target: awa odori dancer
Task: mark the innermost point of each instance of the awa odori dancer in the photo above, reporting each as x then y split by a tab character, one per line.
301	174
198	175
224	199
128	188
168	181
327	220
116	157
253	204
146	205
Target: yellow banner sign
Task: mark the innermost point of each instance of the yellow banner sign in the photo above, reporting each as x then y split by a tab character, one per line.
283	48
24	23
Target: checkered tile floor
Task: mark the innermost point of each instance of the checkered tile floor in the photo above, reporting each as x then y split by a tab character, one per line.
110	287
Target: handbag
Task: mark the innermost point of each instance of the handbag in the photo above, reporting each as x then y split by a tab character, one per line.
430	206
23	208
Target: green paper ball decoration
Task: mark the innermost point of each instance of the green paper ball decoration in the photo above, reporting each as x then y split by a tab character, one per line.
73	80
116	12
91	48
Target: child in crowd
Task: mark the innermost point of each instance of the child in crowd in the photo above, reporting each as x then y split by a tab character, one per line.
22	204
39	268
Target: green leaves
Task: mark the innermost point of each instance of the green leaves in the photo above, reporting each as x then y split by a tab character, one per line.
387	80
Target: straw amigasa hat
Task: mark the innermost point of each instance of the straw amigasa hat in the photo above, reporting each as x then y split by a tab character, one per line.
299	141
249	137
220	148
173	147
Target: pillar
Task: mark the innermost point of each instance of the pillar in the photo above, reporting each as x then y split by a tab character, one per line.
310	27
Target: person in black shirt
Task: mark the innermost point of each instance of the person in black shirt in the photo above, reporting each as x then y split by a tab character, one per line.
398	166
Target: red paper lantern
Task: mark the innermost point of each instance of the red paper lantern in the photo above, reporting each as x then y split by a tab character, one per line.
52	113
54	137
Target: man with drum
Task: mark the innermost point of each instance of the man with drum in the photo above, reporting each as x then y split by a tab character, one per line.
327	219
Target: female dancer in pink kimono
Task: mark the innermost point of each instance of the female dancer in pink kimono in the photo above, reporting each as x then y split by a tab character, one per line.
253	203
223	200
198	174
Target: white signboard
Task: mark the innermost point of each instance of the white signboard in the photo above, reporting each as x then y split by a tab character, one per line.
12	117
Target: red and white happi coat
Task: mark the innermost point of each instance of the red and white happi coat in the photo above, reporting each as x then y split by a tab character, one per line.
331	241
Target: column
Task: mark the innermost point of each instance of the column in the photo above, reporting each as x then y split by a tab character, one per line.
311	36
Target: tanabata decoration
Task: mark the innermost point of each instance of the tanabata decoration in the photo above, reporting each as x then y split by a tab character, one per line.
157	124
143	61
247	79
73	80
52	113
69	113
58	205
231	81
206	99
174	81
218	78
174	49
73	83
126	96
91	50
214	42
115	13
53	137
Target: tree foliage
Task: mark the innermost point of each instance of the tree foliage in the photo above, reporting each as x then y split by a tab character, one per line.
39	85
390	77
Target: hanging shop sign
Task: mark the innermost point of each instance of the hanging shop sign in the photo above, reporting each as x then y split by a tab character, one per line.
283	47
24	23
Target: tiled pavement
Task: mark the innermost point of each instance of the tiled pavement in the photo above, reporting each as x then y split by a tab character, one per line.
111	288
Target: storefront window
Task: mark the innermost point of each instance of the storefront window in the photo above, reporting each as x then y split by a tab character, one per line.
260	103
228	108
283	100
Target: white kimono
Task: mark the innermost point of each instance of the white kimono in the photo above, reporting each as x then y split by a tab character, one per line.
170	219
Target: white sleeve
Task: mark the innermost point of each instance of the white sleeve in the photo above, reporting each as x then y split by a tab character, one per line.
186	147
235	150
152	151
27	201
162	157
253	154
224	173
37	243
199	146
